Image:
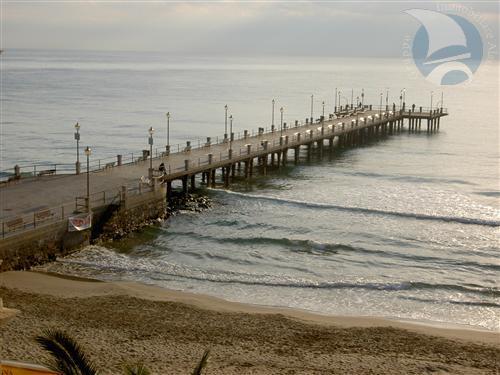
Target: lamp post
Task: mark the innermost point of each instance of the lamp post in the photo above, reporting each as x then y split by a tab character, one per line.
352	98
167	147
346	101
441	101
225	122
380	106
340	92
363	98
230	130
151	131
357	101
88	151
432	95
335	107
77	138
386	98
312	107
323	113
404	98
400	99
272	116
281	126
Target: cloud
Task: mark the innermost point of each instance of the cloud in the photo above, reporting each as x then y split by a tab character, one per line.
231	28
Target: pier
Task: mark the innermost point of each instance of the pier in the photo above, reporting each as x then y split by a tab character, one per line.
37	207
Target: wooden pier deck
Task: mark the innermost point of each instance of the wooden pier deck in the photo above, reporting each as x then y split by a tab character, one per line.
50	198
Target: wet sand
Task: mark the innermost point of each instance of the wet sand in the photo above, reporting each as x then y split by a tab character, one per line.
169	331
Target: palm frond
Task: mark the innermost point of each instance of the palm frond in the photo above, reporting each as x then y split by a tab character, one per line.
202	364
68	357
136	369
61	361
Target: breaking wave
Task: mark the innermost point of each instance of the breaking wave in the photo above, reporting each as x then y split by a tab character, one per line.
372	211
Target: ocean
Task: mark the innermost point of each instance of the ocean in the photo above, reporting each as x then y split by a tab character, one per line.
405	227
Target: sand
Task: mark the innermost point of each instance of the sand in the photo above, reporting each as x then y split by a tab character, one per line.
123	322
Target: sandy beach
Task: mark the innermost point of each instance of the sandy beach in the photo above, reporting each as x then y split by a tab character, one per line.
126	322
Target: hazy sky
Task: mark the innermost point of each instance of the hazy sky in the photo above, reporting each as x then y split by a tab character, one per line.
332	28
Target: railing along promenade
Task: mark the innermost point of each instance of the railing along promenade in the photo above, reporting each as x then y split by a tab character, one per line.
348	127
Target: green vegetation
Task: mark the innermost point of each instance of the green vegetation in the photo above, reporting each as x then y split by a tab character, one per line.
68	358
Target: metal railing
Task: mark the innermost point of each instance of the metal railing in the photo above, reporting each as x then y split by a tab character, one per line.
314	133
44	169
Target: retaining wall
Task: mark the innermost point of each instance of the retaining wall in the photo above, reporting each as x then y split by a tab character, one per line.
45	243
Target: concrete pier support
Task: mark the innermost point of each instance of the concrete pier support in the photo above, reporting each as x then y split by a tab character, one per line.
185	185
263	164
169	191
296	155
193	182
226	172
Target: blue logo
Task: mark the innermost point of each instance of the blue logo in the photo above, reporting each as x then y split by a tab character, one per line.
447	49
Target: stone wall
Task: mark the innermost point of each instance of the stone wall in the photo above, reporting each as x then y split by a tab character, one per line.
45	243
39	245
134	213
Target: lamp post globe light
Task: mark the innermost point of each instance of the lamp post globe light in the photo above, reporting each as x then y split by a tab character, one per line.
77	138
88	152
151	132
167	147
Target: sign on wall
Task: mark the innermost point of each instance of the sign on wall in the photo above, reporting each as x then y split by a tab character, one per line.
79	222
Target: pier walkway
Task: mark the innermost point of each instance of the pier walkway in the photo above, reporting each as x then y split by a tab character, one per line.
26	203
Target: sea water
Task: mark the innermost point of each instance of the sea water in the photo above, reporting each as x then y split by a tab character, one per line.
404	227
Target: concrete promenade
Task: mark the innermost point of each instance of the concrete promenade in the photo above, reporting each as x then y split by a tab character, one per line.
25	197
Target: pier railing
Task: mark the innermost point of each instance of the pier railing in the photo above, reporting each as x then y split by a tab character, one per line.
312	132
46	169
96	165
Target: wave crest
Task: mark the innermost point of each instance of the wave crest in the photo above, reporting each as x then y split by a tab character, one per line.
372	211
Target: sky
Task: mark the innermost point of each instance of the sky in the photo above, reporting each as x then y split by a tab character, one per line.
257	28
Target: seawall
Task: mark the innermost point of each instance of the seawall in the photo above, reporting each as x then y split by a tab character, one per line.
44	243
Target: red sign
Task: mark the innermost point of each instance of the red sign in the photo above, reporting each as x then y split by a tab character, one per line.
79	222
